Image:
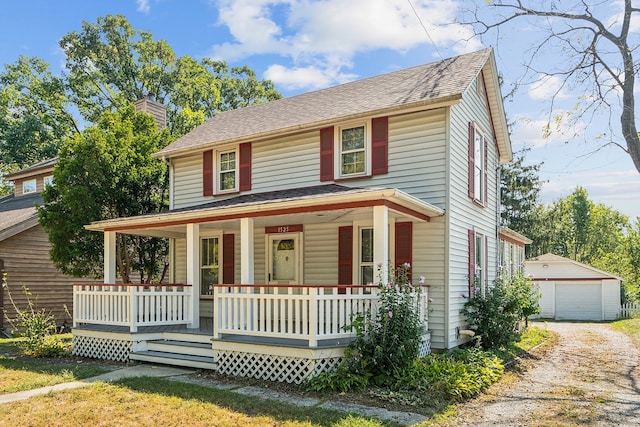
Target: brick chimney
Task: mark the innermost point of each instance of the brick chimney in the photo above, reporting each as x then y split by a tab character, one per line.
149	105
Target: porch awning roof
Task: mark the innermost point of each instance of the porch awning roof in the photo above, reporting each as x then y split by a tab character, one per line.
307	200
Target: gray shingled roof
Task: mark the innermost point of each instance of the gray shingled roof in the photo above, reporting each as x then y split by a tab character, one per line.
280	196
40	165
16	210
414	86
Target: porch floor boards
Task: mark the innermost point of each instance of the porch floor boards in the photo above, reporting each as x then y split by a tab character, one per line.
206	329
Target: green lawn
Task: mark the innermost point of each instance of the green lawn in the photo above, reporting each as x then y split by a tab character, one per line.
153	401
630	327
25	373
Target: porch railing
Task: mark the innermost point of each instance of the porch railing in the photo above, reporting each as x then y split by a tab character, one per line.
305	312
132	305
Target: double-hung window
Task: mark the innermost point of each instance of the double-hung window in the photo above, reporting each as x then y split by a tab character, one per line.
353	151
366	256
479	166
209	264
227	168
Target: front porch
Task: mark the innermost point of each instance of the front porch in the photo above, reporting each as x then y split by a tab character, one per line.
273	277
282	333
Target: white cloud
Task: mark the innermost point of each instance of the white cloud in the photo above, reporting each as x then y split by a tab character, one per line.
143	6
321	38
547	87
312	77
540	132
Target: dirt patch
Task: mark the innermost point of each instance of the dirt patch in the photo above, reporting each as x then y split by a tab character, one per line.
591	377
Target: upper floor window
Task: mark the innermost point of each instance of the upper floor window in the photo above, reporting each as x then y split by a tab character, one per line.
48	180
227	171
353	151
478	159
479	167
29	186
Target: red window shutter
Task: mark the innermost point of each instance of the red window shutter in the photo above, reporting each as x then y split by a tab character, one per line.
345	255
228	259
326	154
379	146
472	135
404	244
472	262
207	173
245	166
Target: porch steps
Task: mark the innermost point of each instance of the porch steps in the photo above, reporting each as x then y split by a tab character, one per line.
177	353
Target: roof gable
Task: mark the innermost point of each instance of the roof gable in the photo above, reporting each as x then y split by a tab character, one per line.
557	259
430	84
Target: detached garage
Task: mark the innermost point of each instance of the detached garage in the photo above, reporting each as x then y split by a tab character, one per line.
571	290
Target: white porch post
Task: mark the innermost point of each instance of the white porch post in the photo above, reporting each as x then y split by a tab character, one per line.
109	257
246	251
193	272
381	240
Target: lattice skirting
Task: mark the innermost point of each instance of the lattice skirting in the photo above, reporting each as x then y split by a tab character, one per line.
425	345
273	368
102	348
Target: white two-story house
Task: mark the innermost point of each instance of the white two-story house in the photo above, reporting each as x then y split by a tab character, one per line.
284	216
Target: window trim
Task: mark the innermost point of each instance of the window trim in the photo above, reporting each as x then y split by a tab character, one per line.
479	167
47	180
218	170
29	182
220	264
360	262
366	124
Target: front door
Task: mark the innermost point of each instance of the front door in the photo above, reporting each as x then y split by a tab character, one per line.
283	260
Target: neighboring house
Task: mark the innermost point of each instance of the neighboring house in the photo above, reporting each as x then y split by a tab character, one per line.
571	290
24	249
283	217
511	253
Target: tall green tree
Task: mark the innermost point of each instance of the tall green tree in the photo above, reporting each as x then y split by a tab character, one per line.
104	172
34	116
520	187
111	64
577	228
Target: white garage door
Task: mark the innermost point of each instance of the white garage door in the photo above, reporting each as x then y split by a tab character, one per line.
579	301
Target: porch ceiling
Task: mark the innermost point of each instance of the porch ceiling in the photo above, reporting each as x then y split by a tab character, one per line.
311	205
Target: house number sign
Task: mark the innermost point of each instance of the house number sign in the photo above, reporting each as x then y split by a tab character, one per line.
295	228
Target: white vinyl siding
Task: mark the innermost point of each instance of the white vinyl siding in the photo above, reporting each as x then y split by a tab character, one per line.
187	181
289	162
321	253
462	213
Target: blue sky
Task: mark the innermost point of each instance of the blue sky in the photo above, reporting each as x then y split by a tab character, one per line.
304	45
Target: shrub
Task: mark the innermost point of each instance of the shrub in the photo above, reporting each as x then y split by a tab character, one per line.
37	326
386	341
495	314
458	375
391	339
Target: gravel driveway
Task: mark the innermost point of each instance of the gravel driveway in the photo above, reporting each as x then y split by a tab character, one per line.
591	377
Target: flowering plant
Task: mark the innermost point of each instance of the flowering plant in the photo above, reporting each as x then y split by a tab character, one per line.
388	339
